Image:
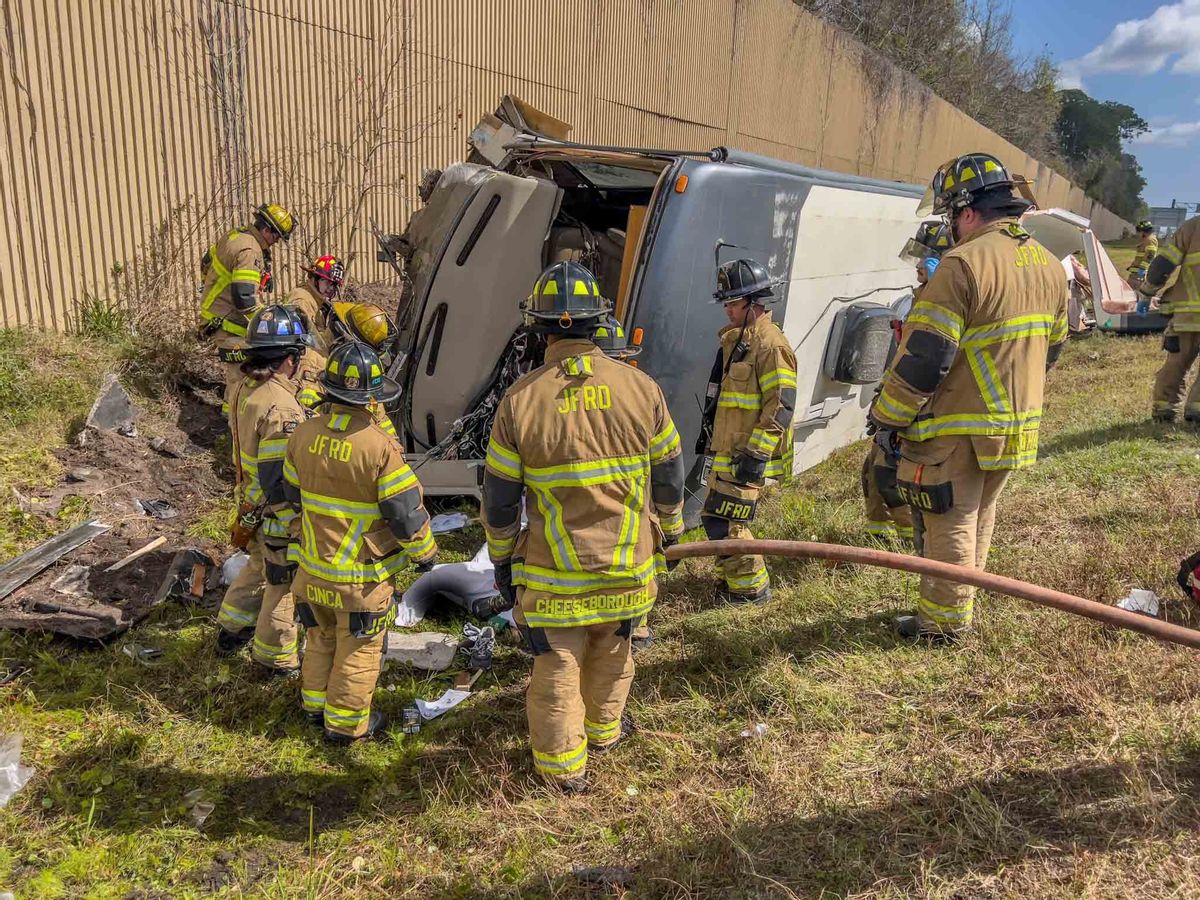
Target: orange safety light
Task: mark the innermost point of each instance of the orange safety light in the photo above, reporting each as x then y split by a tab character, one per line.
681	184
637	337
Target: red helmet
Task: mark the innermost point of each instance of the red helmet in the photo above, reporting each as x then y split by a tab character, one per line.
331	268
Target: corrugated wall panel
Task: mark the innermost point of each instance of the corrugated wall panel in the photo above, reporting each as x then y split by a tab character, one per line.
145	128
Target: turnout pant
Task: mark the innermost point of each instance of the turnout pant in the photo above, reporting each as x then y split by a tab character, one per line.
342	654
244	597
276	635
728	511
883	521
954	514
577	693
1182	348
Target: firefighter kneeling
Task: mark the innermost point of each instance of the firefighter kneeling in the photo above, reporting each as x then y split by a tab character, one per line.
591	444
361	516
962	400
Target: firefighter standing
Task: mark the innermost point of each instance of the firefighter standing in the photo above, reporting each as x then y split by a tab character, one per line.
1182	303
264	413
234	270
964	393
751	398
888	516
589	444
362	515
1147	249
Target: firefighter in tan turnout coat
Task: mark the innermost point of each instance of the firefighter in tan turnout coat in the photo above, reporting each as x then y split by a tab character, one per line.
588	444
1181	302
361	518
963	397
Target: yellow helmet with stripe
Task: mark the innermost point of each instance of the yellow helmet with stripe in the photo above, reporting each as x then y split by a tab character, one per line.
274	217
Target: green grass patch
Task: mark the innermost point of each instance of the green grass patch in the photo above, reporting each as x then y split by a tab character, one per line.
1046	757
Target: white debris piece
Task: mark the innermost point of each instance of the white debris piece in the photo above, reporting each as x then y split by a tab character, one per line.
449	700
13	775
461	583
233	566
452	521
1140	601
432	651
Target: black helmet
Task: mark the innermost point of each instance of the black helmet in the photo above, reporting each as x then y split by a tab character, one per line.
744	279
611	339
354	375
973	180
1145	225
275	332
565	300
933	238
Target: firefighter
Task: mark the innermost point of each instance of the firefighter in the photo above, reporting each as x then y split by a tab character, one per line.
588	443
264	413
747	421
1147	249
235	270
326	275
962	399
1182	303
888	516
362	515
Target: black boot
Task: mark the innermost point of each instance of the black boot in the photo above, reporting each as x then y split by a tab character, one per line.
909	628
628	727
643	642
229	643
737	598
377	724
573	786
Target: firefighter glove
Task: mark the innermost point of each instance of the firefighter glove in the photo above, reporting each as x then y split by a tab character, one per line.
504	584
889	442
667	544
748	469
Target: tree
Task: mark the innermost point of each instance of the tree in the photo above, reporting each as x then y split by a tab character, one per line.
1091	134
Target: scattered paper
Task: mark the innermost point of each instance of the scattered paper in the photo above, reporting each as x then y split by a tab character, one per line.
452	521
1140	601
449	700
758	730
198	805
13	775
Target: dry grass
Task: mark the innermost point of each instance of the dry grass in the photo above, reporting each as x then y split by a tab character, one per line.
1045	758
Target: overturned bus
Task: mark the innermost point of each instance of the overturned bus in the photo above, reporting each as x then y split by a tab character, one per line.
653	225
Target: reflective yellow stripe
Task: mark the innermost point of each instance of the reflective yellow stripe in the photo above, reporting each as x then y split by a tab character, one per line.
672	524
894	410
738	400
1014	328
346	718
602	734
309	397
235	616
557	581
1172	253
781	378
503	461
500	548
370	573
421	546
338	422
1060	331
763	442
335	506
586	474
664	443
987	379
748	584
272	448
627	537
940	319
273	651
220	283
555	529
562	763
397	482
978	424
247	276
578	365
590	609
945	615
289	474
881	529
314	701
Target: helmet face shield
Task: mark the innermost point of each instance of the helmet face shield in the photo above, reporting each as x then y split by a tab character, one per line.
915	252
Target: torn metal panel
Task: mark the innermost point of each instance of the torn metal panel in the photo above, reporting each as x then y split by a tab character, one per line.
30	563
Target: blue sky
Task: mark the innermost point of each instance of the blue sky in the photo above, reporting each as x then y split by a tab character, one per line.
1146	54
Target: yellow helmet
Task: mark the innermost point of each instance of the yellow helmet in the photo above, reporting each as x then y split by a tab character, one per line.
366	322
276	218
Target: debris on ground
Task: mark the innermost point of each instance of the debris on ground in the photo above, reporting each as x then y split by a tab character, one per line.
757	730
113	409
111	473
431	709
461	584
410	720
198	806
231	568
1140	601
479	645
432	651
142	654
8	676
604	876
160	445
156	509
13	775
41	557
443	523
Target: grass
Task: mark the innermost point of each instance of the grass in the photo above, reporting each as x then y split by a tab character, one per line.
1045	758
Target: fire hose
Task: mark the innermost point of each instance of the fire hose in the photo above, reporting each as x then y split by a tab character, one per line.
1109	615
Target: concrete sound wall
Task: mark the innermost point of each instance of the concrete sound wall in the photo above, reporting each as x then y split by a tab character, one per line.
136	131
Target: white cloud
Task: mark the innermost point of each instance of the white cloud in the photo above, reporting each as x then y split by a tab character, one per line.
1181	134
1169	38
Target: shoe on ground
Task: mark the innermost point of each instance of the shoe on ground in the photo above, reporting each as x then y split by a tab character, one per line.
909	628
273	672
628	727
1162	419
377	724
572	785
640	644
229	643
737	598
317	719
